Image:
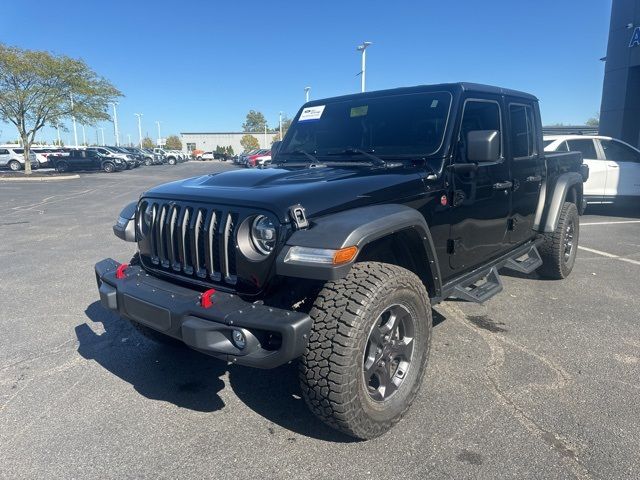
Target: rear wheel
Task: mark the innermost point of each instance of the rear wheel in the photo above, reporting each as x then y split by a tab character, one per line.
171	161
368	349
15	165
559	249
148	162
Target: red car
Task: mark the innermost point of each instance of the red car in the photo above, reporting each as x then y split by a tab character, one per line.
258	158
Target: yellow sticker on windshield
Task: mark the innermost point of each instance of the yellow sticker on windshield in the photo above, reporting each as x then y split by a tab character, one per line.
359	111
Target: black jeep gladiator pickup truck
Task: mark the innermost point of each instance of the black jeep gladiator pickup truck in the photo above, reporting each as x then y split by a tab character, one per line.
377	206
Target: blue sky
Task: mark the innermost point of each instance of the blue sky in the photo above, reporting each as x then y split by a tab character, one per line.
200	66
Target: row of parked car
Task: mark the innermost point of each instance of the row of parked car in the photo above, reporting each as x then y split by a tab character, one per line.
257	158
108	158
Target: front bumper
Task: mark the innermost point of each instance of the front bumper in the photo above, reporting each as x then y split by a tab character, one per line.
273	336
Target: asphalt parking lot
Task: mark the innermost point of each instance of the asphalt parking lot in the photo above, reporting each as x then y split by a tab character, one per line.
542	381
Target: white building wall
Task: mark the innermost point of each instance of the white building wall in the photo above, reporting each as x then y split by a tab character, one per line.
208	141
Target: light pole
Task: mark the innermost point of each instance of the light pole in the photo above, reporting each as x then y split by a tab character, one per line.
265	135
58	130
363	48
159	137
115	123
280	123
306	93
102	132
73	120
139	115
84	137
129	139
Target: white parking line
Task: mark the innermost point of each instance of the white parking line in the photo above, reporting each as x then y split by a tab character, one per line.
609	255
609	223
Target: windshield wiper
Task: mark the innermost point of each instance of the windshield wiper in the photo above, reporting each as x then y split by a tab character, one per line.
356	151
301	152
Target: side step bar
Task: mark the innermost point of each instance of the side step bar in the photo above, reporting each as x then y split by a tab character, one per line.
525	263
481	284
479	290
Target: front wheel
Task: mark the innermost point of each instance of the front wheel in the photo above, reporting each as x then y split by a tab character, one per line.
15	166
560	247
368	349
62	167
171	161
109	167
148	162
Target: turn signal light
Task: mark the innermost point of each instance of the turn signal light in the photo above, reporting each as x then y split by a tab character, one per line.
344	255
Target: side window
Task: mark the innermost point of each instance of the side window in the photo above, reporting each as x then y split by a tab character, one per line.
4	151
584	145
478	115
619	152
563	147
522	135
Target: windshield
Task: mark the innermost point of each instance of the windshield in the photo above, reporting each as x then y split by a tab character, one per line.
405	124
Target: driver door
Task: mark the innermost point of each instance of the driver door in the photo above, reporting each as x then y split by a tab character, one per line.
481	201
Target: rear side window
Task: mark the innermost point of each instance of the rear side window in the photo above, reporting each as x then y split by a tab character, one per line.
619	152
522	134
586	146
4	151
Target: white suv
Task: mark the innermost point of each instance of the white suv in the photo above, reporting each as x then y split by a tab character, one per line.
614	166
13	157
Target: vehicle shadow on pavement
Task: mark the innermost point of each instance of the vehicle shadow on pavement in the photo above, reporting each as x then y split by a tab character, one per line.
177	375
191	380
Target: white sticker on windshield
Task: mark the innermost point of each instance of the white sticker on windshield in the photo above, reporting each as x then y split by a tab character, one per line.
434	104
311	113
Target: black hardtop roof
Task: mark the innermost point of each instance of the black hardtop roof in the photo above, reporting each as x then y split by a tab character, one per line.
450	87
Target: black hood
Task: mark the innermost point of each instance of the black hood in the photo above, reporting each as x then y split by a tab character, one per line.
319	190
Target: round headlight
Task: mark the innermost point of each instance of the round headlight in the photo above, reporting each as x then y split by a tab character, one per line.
263	234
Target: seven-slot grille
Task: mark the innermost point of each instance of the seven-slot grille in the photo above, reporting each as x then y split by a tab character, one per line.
191	240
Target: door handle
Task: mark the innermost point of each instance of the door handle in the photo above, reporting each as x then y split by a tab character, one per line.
502	185
534	178
613	165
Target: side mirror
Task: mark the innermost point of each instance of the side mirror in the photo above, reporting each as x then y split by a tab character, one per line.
275	146
125	228
483	146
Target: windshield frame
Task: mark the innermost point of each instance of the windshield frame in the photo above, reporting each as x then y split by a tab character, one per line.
357	101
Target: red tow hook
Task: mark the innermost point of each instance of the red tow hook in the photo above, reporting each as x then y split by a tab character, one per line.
205	298
120	271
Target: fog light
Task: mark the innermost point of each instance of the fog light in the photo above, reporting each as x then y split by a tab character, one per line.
239	339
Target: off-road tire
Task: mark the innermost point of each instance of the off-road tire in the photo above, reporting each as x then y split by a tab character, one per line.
331	369
556	263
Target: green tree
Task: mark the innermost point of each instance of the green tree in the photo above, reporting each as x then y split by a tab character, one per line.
147	143
249	142
255	122
229	150
173	143
38	88
593	121
219	149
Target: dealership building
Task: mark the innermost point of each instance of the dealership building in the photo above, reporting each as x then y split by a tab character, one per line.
208	141
620	110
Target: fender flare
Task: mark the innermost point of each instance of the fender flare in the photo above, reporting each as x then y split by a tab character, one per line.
357	227
548	211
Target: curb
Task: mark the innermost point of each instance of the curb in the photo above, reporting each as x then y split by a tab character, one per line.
39	179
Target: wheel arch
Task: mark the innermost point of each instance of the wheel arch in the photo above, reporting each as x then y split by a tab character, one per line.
568	187
390	233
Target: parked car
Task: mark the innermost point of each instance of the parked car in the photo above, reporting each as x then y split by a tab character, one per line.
252	160
170	158
129	160
417	194
242	158
13	158
88	160
262	160
614	166
205	156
